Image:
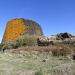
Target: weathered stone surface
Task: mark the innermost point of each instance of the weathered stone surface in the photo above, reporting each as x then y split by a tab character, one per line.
19	27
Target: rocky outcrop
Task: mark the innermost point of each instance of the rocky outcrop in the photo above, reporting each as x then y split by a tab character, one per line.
63	36
44	41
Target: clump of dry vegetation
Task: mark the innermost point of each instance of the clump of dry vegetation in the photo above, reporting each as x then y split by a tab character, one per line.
55	50
25	41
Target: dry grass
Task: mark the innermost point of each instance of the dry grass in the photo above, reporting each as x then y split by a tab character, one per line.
30	64
56	50
29	60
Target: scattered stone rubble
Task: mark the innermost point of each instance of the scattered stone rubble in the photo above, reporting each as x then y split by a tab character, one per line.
64	38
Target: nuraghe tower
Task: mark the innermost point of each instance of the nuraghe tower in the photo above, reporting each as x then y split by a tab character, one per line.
19	27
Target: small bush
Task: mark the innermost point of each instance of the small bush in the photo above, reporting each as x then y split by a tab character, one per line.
62	50
3	46
58	52
29	40
18	43
15	46
24	41
39	72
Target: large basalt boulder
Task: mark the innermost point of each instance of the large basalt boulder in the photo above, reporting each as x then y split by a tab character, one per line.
64	35
16	28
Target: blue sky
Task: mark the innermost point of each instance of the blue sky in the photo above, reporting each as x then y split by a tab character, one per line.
54	16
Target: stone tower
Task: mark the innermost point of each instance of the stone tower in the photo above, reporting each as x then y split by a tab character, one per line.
19	27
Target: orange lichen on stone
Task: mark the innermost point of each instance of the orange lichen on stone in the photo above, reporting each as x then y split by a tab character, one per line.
14	29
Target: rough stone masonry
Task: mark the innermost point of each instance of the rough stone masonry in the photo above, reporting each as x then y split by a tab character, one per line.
19	27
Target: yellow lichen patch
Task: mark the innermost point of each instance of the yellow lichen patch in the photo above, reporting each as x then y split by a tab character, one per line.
14	29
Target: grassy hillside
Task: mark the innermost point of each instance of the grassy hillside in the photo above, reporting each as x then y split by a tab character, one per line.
35	63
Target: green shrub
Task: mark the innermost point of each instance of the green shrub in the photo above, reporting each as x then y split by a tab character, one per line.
17	43
39	72
15	46
29	40
3	46
24	41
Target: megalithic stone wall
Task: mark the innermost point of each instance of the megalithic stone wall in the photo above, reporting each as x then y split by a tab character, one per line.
19	27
